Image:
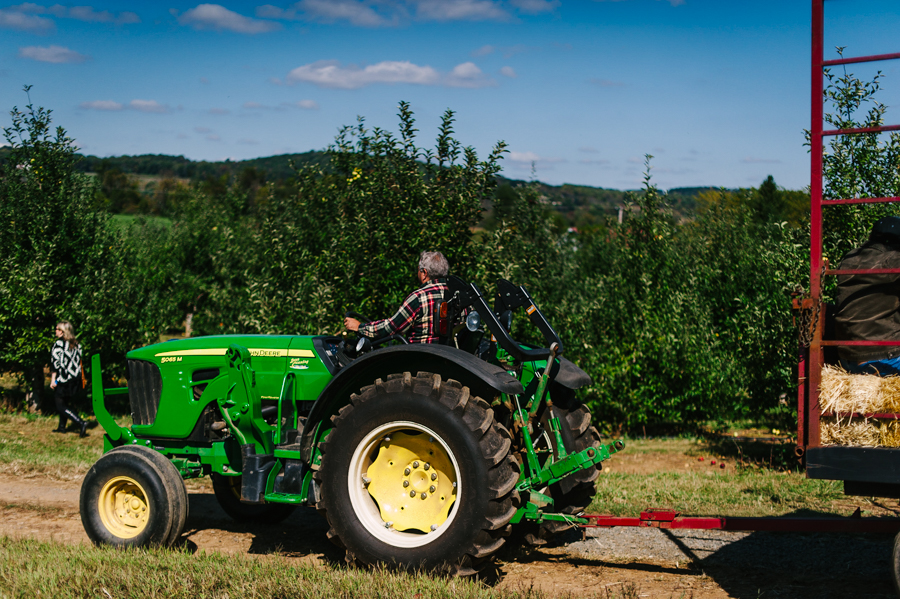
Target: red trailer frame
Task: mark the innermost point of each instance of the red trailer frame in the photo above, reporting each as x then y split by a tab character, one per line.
865	471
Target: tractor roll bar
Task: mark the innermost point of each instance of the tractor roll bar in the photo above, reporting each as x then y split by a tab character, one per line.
470	296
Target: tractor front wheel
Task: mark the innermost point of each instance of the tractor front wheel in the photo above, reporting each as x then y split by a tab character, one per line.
417	474
127	500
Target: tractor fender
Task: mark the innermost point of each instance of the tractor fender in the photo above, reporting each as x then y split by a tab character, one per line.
483	379
571	376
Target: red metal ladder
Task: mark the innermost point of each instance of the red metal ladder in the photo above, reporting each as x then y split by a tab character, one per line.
811	362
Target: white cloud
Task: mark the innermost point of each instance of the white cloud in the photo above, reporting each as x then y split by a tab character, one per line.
148	106
468	74
102	105
508	72
219	18
534	7
80	13
330	73
213	137
460	10
381	13
672	2
529	157
88	14
253	105
352	11
54	54
219	111
483	51
13	19
308	105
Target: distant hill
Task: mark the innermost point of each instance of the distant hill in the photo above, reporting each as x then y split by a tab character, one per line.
575	203
275	167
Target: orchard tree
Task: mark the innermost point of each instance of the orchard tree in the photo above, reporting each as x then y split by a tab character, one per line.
351	236
52	242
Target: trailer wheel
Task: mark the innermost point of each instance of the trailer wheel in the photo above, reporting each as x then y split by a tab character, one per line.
125	501
417	474
573	494
228	494
895	564
174	487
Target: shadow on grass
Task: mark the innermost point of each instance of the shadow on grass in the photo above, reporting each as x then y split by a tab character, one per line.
300	535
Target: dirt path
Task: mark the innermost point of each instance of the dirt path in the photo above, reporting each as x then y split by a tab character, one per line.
614	563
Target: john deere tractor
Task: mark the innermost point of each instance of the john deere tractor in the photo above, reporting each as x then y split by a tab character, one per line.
420	456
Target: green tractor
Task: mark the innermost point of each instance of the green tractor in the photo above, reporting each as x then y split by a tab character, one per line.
419	456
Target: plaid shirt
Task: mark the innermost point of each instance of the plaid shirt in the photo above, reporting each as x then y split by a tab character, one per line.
415	318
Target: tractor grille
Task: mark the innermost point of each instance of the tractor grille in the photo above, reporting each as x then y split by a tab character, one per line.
144	390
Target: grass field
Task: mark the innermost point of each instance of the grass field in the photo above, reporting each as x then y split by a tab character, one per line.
31	568
632	482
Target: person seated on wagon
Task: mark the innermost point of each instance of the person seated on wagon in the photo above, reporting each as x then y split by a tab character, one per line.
868	305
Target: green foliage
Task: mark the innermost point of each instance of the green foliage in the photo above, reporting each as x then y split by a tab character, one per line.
678	321
856	166
52	241
351	236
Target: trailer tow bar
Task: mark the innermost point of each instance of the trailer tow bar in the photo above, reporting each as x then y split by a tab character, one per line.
671	519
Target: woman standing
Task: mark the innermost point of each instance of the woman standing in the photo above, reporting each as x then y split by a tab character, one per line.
65	375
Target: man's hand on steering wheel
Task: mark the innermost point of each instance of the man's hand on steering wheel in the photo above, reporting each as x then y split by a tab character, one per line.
352	320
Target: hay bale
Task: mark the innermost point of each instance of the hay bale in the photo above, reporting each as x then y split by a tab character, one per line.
856	433
842	392
889	431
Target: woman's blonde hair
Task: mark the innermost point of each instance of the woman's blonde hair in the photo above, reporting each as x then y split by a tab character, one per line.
68	332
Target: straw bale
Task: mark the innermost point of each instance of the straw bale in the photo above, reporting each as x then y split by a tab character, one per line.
890	394
890	433
858	432
842	392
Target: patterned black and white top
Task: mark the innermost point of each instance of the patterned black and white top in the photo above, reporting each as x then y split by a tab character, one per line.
65	361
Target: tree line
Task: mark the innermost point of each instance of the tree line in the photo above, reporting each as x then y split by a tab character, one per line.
679	321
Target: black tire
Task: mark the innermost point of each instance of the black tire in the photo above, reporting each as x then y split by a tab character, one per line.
474	474
573	494
174	484
125	501
228	494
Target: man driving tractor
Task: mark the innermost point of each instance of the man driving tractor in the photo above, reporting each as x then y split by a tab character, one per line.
416	315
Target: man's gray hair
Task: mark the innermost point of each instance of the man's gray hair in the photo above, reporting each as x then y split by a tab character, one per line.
434	264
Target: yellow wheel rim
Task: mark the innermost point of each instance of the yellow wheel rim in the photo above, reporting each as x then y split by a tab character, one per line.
413	481
387	478
124	507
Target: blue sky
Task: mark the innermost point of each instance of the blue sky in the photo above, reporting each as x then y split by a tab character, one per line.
716	90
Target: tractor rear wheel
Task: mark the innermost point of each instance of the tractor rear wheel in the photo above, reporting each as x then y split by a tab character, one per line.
127	501
417	474
228	494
